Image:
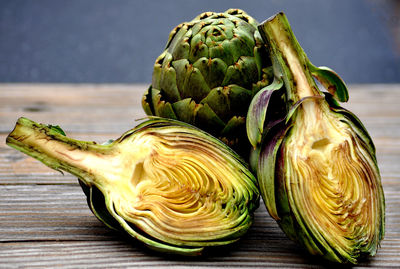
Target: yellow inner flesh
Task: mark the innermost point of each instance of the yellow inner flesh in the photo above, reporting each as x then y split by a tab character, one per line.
178	188
331	180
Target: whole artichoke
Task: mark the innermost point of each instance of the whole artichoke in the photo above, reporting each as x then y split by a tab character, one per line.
171	186
209	72
315	161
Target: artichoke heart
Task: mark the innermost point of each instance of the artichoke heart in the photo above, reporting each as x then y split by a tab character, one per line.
332	185
210	69
168	184
316	163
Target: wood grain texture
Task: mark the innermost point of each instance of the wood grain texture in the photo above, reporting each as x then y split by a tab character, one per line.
45	222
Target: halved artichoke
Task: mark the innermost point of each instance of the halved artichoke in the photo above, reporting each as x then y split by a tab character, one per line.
170	185
315	161
208	73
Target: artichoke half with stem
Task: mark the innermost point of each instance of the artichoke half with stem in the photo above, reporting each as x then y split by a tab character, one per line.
208	73
315	161
170	185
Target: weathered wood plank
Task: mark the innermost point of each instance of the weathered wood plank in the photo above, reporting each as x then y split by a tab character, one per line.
77	108
121	254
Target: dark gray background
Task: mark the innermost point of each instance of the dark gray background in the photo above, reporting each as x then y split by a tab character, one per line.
118	41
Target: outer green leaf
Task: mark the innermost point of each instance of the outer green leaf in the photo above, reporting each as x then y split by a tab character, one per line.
331	81
267	167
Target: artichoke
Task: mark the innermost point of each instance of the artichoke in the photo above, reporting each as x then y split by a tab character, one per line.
315	161
209	72
173	187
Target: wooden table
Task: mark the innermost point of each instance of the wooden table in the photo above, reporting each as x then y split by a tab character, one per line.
44	219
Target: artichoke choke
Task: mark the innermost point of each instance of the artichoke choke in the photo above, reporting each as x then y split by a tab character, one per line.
208	73
315	161
168	184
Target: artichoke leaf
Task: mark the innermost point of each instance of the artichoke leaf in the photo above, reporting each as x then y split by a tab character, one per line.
331	81
224	100
147	102
96	203
267	165
205	115
186	110
233	131
258	110
57	129
213	70
168	83
161	107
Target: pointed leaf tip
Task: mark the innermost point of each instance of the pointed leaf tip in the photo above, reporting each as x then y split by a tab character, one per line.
258	110
57	129
331	81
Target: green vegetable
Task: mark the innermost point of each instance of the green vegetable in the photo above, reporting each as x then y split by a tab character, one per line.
209	72
168	184
315	161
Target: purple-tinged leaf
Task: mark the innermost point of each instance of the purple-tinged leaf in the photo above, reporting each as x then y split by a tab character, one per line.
258	110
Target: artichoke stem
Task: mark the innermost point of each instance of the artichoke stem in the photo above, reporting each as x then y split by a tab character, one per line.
290	62
56	150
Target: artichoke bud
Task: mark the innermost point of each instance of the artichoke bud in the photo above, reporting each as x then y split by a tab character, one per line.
213	51
316	164
171	186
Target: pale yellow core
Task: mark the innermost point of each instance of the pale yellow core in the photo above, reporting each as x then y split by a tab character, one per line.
331	180
178	188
